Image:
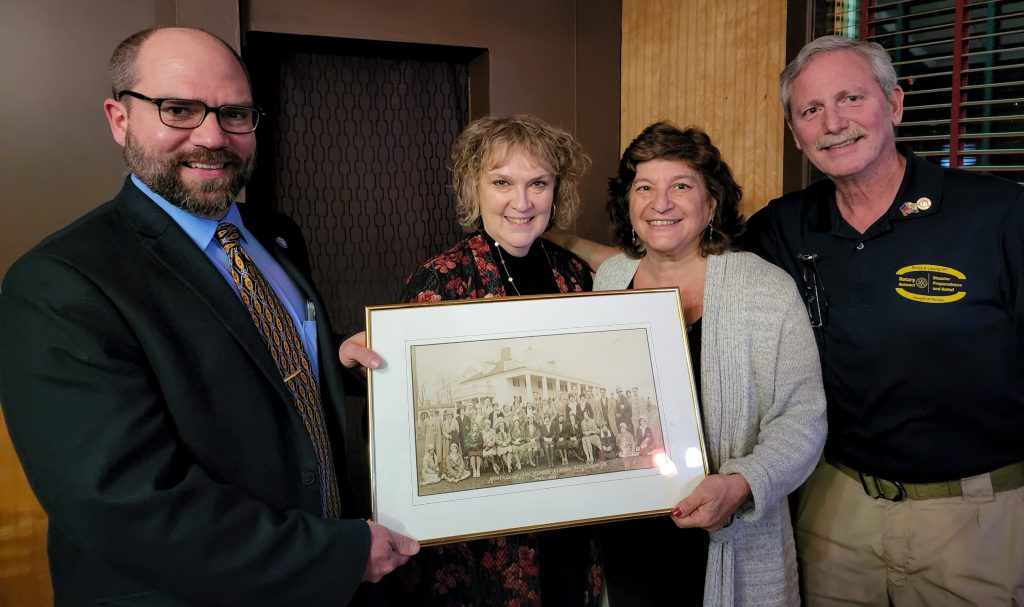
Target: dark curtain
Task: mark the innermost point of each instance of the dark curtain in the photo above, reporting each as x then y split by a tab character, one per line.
355	148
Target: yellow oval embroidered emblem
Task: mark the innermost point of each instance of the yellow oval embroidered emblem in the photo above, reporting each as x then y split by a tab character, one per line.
930	283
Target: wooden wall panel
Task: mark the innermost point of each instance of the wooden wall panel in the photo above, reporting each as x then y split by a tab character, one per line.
24	571
713	64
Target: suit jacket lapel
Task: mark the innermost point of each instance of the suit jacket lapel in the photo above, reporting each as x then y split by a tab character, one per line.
182	257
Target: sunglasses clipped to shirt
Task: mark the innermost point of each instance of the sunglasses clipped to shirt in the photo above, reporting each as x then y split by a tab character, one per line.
813	290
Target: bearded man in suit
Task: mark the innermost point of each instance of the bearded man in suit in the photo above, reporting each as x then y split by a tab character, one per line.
167	373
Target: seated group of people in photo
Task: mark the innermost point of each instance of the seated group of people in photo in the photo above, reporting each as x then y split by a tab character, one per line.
177	396
455	443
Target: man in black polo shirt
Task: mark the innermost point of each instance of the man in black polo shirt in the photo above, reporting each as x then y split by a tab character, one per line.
913	276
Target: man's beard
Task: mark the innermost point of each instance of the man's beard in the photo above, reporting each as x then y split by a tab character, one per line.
210	198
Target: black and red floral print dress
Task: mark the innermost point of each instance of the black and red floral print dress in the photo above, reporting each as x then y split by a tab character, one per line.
504	570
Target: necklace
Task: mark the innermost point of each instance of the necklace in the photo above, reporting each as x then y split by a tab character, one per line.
501	258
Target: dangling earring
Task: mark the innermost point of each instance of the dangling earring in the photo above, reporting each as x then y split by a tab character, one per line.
711	230
634	236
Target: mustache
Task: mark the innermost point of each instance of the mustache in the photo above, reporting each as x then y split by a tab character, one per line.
848	134
207	156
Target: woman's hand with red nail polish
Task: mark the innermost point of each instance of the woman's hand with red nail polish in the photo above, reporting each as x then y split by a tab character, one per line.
712	503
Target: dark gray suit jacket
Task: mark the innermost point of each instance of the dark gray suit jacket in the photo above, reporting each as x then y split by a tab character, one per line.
156	430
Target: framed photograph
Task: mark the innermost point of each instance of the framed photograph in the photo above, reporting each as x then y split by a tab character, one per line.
498	416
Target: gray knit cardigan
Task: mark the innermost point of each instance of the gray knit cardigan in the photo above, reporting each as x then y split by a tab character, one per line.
764	417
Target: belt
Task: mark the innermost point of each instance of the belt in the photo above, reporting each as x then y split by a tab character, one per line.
1003	479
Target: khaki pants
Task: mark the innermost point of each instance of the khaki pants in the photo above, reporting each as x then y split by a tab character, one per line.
855	550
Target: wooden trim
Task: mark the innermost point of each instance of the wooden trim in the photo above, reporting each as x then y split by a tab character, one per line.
799	31
714	65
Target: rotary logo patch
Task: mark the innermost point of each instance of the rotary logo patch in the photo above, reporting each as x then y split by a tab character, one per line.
928	283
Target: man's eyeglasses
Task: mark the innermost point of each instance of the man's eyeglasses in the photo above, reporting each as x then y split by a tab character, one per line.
189	113
814	291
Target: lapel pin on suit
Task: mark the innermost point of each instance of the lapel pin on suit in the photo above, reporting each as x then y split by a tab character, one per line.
281	242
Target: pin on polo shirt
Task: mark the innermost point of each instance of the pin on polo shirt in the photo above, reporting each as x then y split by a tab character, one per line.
922	204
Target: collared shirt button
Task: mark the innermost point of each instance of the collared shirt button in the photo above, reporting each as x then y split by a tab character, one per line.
860	245
308	478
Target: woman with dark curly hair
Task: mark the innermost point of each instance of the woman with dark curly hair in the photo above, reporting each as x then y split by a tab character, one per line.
674	209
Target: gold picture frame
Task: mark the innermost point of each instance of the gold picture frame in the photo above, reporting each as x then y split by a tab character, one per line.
465	436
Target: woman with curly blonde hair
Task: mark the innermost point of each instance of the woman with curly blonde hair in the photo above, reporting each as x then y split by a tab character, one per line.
514	178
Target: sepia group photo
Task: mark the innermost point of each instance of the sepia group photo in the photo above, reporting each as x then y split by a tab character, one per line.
507	411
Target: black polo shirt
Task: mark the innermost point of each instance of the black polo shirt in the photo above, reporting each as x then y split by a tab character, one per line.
922	340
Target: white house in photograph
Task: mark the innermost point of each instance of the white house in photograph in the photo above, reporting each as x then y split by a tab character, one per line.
509	377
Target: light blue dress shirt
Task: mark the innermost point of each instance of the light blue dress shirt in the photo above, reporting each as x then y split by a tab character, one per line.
201	231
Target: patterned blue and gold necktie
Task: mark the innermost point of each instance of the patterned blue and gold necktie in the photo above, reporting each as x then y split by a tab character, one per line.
282	339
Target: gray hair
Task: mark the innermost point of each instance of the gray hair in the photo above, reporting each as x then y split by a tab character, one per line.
872	52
